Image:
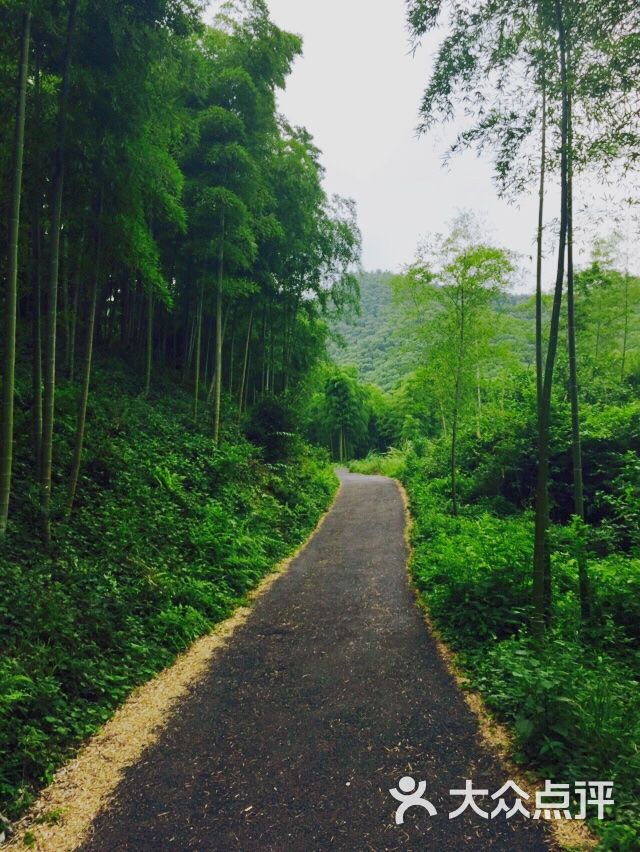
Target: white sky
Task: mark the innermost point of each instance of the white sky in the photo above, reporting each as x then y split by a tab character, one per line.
357	90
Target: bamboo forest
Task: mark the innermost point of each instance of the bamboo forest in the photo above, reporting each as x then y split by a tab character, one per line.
319	451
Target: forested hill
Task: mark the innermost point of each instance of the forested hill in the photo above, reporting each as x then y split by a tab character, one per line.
369	341
376	341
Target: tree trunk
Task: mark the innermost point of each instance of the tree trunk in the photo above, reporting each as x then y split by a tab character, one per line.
207	360
625	334
231	357
8	382
83	396
454	441
66	312
478	404
576	445
288	345
52	304
71	366
443	419
263	384
196	383
73	332
541	193
546	570
245	364
245	402
190	341
218	363
456	406
36	328
541	602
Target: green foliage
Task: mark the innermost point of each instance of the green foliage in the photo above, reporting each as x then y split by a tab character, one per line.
338	413
574	706
168	537
391	463
271	425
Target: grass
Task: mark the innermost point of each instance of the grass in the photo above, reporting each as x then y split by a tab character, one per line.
391	463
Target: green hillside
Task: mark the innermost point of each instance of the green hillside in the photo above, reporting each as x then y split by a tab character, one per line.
377	341
369	341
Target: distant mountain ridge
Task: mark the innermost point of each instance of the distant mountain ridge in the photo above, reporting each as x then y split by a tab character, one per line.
369	339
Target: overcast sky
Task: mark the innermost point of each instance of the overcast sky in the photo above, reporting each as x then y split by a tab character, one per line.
357	90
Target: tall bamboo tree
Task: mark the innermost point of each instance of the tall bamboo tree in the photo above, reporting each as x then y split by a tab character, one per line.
6	422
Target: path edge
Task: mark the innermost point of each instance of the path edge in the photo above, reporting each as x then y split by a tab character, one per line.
494	736
61	817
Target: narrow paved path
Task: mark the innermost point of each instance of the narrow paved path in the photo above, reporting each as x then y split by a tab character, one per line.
326	697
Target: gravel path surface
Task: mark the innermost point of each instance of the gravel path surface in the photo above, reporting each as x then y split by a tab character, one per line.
327	696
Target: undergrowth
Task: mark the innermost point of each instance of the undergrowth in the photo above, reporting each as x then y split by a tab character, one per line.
574	707
168	536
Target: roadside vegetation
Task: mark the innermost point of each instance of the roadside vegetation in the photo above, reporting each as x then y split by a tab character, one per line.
572	702
168	536
169	262
517	427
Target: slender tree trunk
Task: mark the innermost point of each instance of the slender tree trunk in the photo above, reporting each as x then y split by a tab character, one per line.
73	332
8	381
443	418
218	366
207	360
272	366
456	407
36	327
454	442
245	401
245	363
231	358
83	397
149	347
66	324
263	384
541	194
576	444
52	302
625	333
36	373
546	580
540	600
478	404
71	366
196	383
190	346
290	344
596	356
